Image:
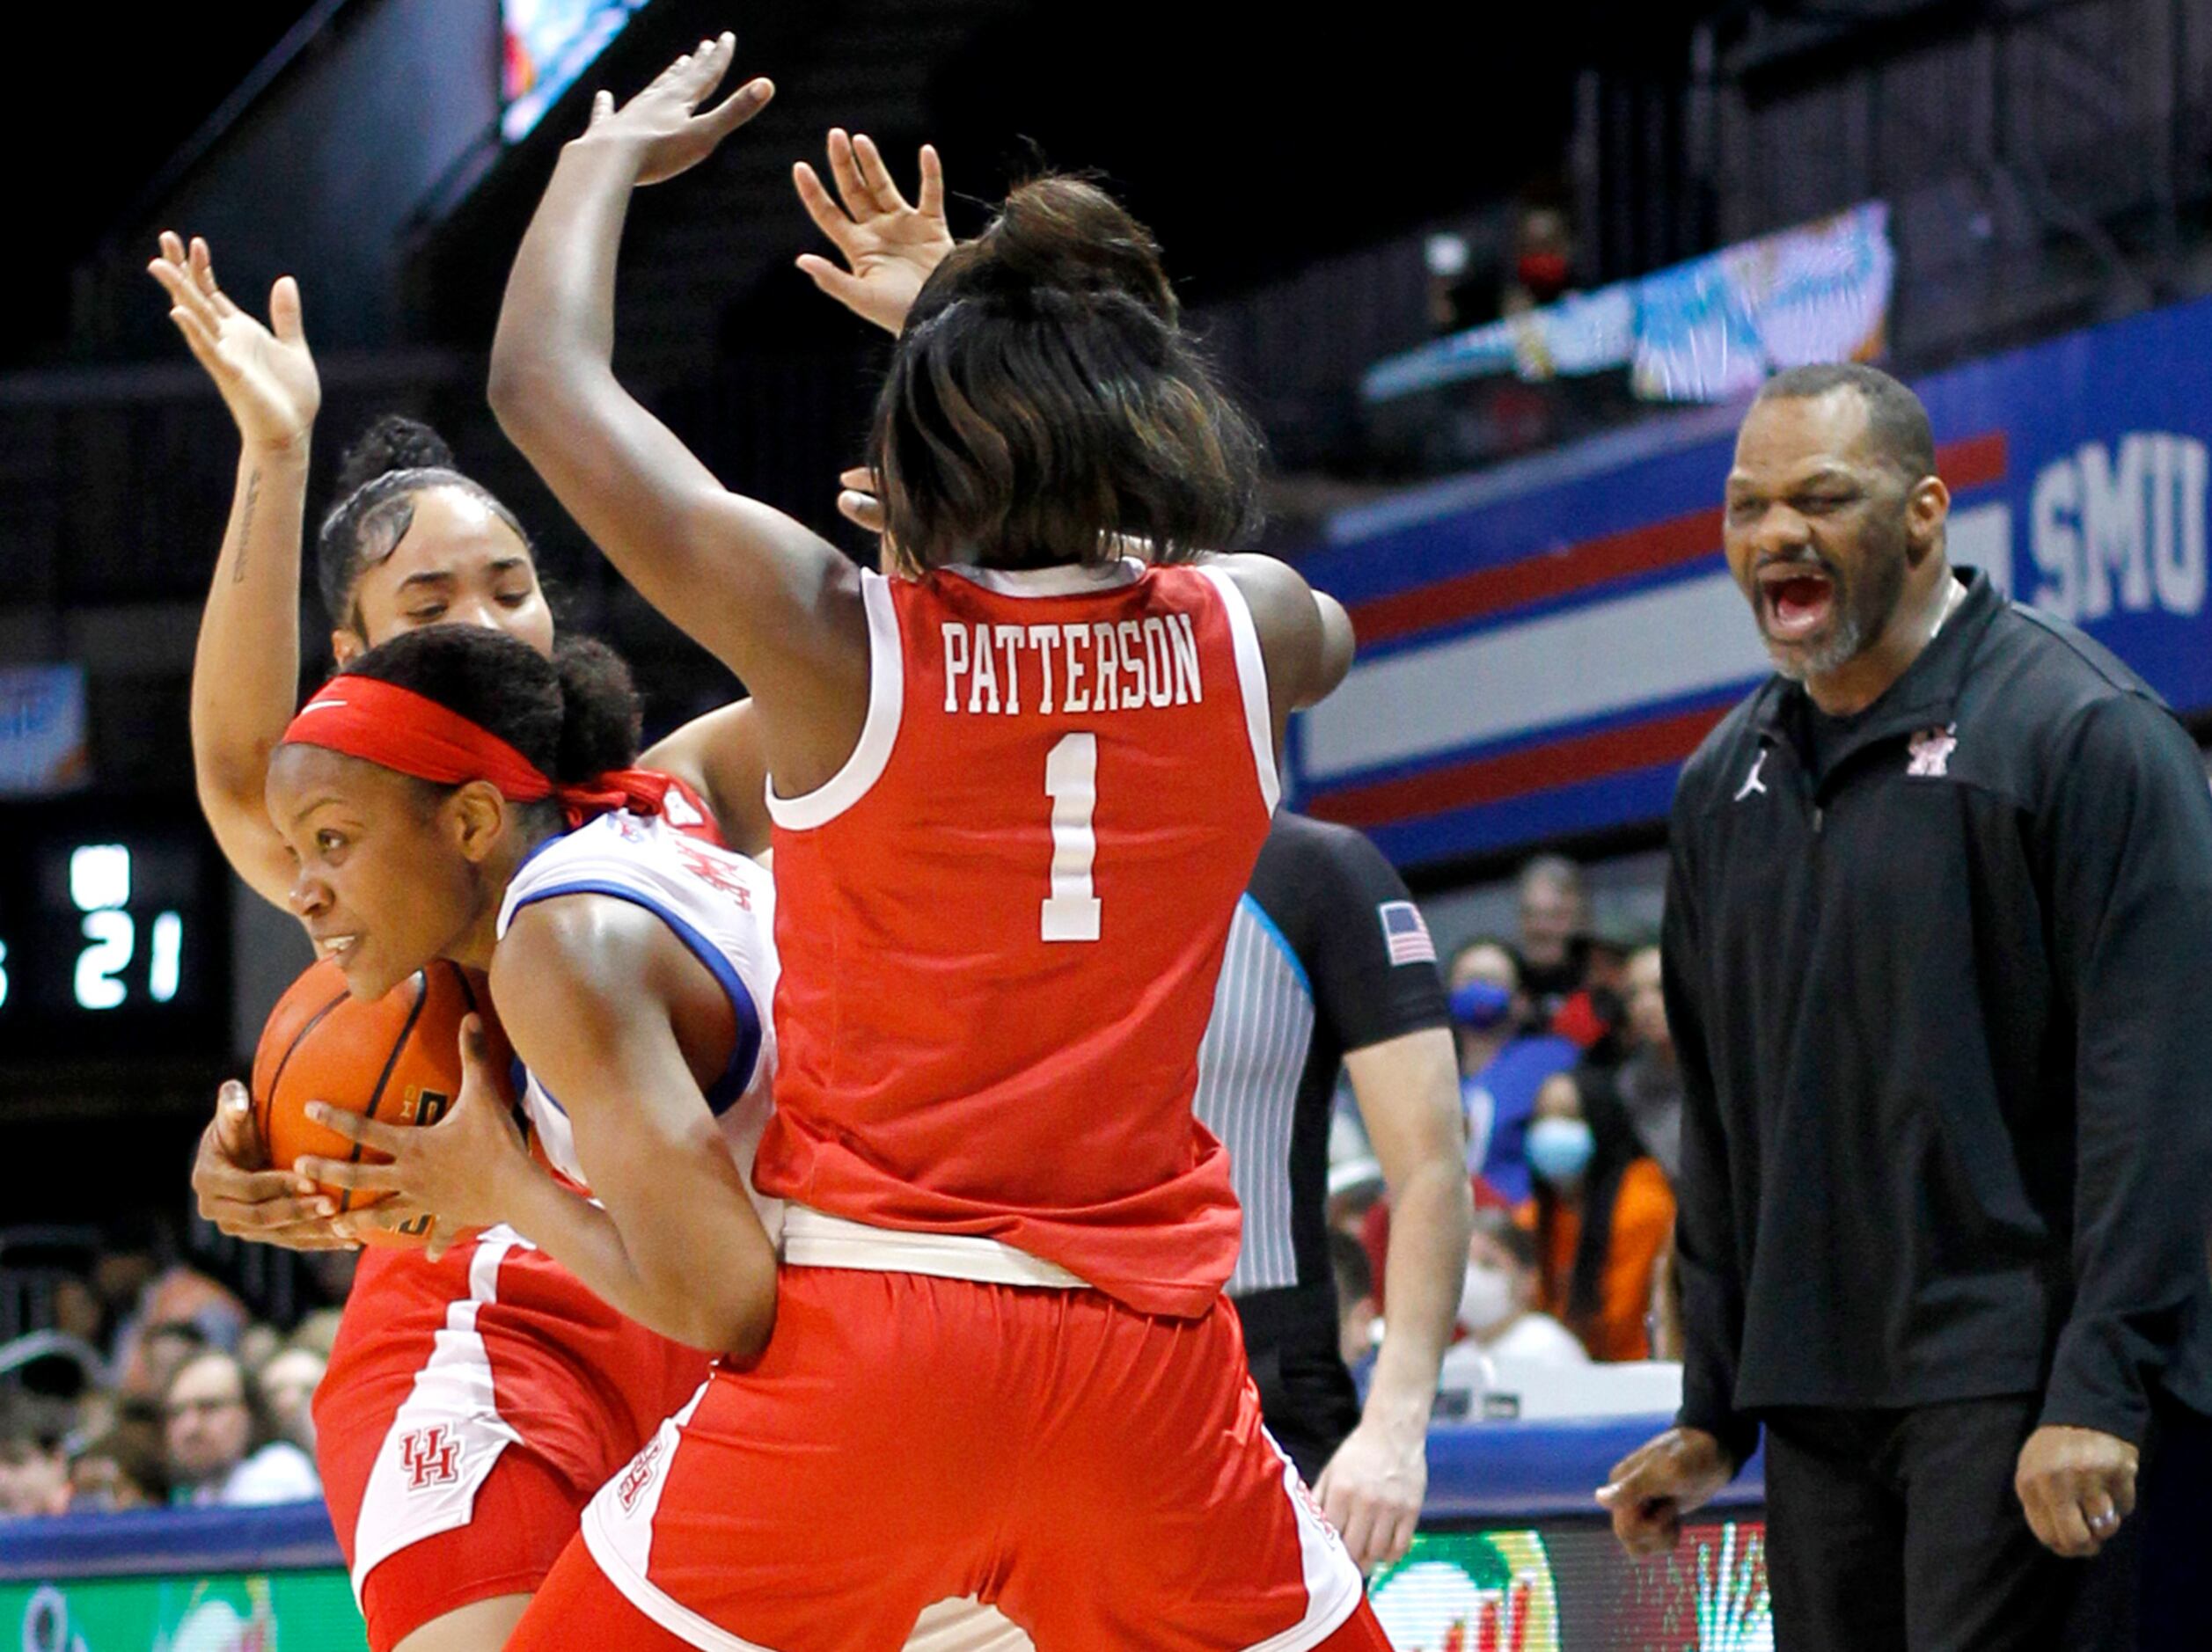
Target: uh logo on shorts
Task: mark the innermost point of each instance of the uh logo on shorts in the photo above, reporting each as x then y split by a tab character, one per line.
638	1475
431	1455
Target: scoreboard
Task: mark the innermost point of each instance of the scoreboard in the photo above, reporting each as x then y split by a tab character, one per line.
114	933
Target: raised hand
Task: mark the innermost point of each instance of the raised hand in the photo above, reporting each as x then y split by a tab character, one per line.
265	373
664	118
888	247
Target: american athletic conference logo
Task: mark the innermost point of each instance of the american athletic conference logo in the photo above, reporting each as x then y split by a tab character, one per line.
431	1456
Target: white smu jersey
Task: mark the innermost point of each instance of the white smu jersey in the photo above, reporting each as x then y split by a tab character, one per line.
721	905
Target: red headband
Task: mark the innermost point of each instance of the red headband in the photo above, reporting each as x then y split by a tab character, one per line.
408	733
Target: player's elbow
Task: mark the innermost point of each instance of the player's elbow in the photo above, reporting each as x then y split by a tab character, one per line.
521	388
737	1325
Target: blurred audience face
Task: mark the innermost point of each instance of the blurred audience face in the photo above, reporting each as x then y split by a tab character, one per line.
1551	914
33	1479
98	1480
209	1424
1559	1144
287	1384
1497	1289
1647	1002
164	1351
1490	965
77	1310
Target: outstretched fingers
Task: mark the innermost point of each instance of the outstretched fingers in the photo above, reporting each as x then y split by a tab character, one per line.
828	216
845	171
932	183
876	177
202	265
284	311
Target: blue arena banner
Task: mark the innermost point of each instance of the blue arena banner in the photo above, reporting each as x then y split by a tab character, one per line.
1542	645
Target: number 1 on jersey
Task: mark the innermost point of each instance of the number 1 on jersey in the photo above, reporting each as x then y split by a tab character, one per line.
1071	781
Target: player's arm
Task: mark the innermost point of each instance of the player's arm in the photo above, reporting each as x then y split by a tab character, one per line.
601	994
246	668
777	603
719	755
1306	636
592	992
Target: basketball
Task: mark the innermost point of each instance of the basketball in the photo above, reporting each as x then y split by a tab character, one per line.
397	1060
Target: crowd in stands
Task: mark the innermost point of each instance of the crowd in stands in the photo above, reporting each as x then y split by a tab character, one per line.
151	1384
1574	1121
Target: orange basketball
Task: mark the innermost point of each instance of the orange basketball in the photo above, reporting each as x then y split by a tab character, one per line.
397	1061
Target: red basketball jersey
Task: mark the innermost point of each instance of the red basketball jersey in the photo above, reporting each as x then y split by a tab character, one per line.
1001	921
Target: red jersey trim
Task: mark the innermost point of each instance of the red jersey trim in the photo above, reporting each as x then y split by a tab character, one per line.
1251	676
886	703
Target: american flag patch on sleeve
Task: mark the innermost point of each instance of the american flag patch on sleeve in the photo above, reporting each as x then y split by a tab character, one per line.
1404	933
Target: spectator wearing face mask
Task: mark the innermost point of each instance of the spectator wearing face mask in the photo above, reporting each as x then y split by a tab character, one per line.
220	1447
1502	1065
1497	1307
1650	1082
1602	1213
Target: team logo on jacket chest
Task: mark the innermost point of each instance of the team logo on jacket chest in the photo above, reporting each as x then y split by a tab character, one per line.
431	1456
1929	753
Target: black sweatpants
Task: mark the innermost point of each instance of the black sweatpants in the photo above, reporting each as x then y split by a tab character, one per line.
1899	1530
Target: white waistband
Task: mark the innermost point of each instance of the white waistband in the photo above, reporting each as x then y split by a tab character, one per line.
813	1238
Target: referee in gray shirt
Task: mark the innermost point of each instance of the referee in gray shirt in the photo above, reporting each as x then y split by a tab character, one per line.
1329	967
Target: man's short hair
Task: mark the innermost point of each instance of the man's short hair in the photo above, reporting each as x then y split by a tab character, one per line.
1895	418
1556	870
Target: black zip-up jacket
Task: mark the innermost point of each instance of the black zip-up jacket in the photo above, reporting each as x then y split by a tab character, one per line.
1947	1130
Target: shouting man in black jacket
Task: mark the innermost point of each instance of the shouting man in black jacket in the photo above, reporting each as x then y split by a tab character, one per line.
1938	924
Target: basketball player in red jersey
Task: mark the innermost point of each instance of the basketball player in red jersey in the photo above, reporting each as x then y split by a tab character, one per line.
540	1385
1018	787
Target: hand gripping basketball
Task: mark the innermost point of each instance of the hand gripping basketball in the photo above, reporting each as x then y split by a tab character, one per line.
459	1170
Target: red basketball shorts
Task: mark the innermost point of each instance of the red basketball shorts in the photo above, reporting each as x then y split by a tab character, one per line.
1098	1477
471	1407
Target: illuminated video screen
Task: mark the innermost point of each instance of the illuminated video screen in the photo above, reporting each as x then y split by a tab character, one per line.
1565	1586
545	45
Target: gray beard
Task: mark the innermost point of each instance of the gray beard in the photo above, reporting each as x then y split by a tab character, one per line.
1839	650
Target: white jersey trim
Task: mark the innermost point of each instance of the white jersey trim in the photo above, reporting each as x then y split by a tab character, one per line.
1251	672
814	1239
1075	579
1334	1588
453	1390
886	697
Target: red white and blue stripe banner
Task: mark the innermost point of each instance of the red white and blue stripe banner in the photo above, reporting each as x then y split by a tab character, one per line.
1541	646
